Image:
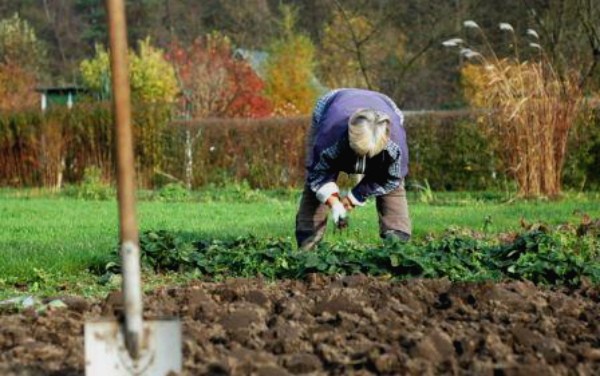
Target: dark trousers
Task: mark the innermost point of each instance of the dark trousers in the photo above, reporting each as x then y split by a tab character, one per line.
311	220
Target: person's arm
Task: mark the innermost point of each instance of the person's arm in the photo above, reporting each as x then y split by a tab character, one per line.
323	175
322	180
378	184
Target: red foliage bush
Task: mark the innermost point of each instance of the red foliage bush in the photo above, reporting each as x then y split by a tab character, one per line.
215	84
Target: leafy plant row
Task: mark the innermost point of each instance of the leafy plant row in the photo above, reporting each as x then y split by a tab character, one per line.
538	254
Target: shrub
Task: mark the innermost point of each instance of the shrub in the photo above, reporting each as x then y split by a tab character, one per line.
265	153
451	152
583	153
152	76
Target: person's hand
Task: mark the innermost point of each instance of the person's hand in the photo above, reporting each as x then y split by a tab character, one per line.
348	205
339	214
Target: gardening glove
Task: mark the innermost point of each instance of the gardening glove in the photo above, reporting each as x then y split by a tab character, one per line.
339	214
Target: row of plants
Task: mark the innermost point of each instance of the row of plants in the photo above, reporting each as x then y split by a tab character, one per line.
564	255
447	151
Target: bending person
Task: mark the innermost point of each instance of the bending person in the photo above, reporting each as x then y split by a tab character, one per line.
358	132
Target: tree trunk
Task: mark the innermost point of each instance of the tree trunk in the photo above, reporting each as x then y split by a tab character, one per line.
189	160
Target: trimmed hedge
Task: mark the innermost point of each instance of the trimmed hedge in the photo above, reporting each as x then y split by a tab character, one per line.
265	153
448	150
56	147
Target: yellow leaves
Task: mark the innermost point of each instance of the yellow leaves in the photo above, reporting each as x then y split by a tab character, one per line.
474	80
290	84
152	78
96	72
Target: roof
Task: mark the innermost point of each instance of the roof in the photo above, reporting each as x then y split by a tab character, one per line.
257	60
60	89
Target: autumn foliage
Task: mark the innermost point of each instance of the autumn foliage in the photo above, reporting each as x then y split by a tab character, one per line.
17	88
213	83
291	84
152	77
21	55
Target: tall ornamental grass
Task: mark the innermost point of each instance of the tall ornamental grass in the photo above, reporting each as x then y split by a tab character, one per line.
532	106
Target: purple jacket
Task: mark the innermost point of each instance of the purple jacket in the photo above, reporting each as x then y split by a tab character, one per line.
331	153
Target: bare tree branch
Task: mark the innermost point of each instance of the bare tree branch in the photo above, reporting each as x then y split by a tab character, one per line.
357	44
593	36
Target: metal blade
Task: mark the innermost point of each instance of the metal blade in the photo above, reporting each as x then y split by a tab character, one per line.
106	353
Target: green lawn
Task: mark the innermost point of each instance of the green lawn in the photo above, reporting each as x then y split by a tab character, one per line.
61	235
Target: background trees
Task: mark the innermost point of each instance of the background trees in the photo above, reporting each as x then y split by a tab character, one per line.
271	58
213	83
152	77
21	63
290	81
356	48
396	46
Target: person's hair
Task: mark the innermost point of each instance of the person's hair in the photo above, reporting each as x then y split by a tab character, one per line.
368	132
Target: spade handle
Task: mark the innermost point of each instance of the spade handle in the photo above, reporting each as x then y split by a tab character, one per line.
130	253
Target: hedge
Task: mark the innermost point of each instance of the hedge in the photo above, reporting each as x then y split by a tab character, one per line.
448	150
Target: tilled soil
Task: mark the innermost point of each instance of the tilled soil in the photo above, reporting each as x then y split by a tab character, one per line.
347	325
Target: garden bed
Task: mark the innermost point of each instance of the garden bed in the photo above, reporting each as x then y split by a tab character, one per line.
337	325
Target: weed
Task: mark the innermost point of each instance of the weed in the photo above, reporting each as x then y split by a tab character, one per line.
425	194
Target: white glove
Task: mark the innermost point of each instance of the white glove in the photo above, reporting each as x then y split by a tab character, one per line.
338	213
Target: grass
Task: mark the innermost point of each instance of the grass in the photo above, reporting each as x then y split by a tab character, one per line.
52	239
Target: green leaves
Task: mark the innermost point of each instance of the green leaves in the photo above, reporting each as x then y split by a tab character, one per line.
549	258
162	251
537	255
152	77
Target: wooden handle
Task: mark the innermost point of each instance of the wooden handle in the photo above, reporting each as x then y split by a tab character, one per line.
130	253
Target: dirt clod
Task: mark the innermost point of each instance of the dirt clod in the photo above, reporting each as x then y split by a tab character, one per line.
354	325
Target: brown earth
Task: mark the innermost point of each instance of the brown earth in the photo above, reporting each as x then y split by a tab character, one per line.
347	325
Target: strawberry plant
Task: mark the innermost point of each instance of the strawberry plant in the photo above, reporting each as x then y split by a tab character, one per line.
563	256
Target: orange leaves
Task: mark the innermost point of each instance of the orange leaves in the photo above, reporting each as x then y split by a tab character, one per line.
291	85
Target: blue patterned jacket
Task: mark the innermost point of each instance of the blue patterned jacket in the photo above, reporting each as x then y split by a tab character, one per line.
330	153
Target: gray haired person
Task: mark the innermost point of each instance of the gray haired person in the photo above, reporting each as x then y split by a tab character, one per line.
358	132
